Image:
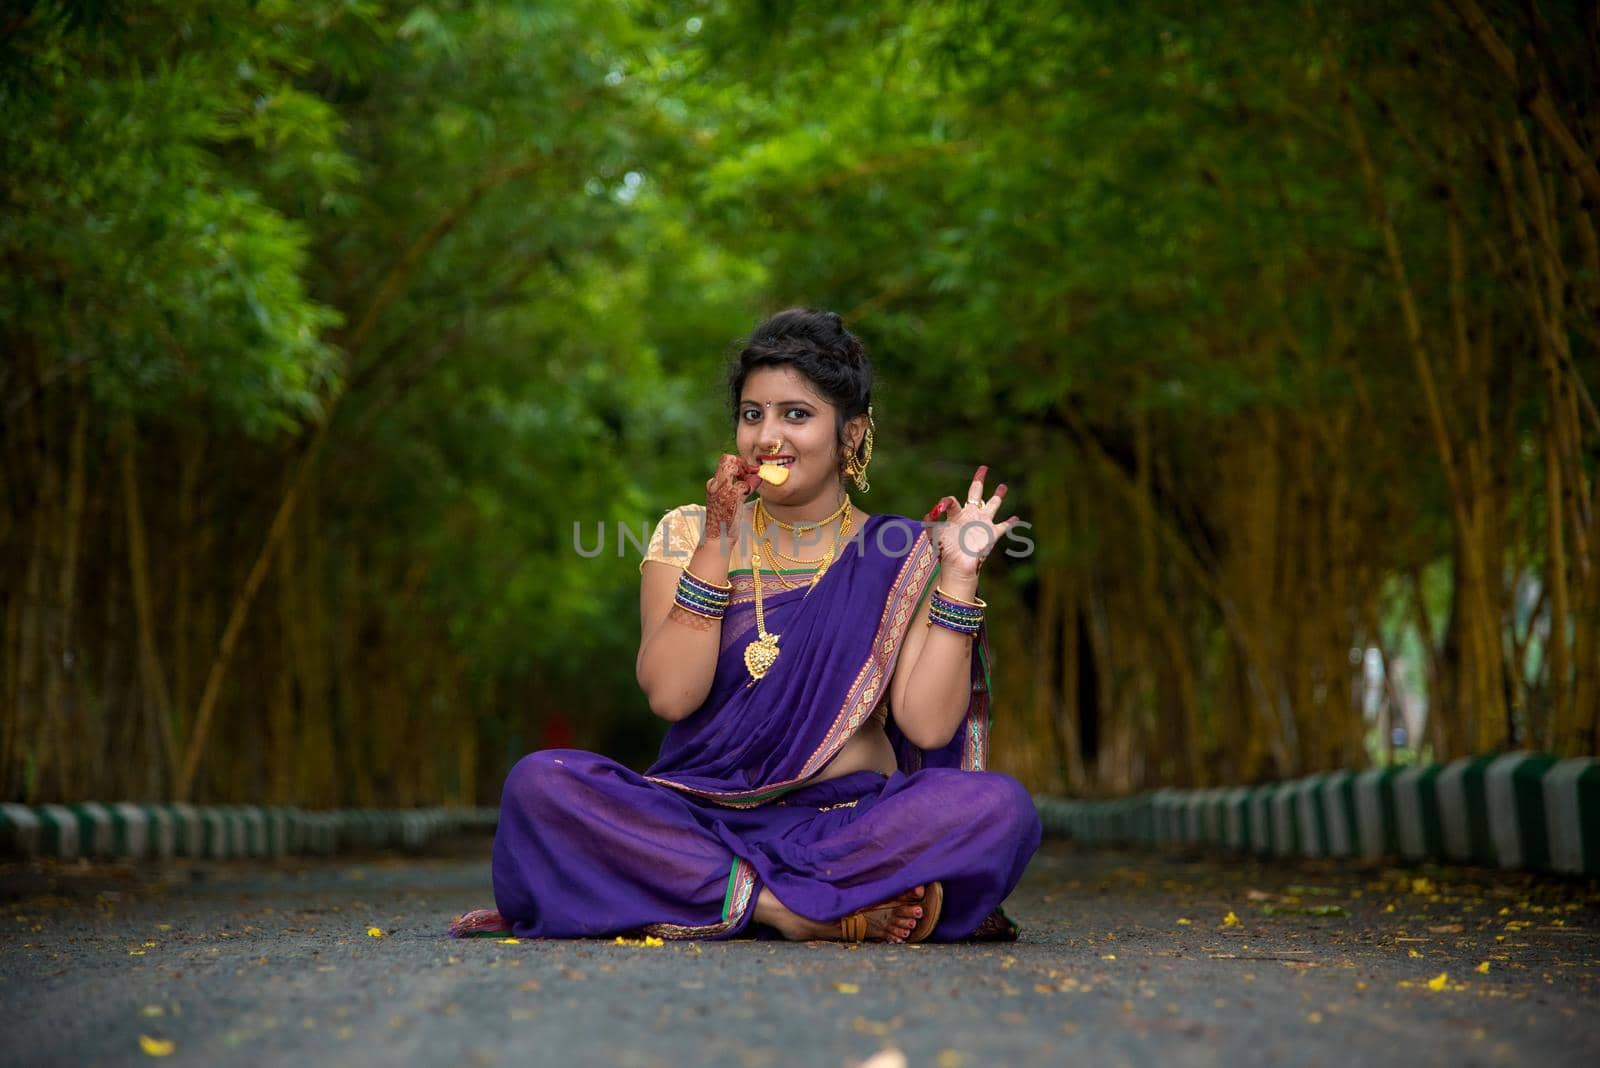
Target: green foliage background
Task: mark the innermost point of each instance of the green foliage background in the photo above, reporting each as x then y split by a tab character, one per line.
331	318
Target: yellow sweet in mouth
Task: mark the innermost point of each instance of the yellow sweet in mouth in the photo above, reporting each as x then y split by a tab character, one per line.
776	474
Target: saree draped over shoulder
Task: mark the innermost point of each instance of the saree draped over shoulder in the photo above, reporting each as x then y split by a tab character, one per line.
586	847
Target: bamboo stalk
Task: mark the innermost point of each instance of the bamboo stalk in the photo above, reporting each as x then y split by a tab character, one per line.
1072	639
1534	99
50	752
1583	738
1256	662
156	703
395	282
1434	670
188	550
61	648
1480	648
1556	347
1556	655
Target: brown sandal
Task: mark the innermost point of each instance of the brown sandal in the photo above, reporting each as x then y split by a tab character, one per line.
853	928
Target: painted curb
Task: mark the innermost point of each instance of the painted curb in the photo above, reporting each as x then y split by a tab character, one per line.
1514	810
139	831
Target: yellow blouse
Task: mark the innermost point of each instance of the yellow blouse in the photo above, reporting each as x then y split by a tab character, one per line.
676	536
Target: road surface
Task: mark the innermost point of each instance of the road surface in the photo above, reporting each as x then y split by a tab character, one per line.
1127	958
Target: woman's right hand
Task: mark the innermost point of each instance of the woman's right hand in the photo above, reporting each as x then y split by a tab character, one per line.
735	479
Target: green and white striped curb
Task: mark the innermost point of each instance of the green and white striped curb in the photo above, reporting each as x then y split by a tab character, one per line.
124	830
1517	810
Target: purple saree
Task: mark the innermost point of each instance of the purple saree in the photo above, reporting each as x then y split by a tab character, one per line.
586	847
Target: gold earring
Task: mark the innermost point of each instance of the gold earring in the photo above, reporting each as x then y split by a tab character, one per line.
855	464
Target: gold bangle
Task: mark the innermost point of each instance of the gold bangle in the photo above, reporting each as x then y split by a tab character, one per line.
713	585
979	603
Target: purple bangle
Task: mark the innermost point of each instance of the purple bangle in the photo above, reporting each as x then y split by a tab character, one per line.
696	595
960	616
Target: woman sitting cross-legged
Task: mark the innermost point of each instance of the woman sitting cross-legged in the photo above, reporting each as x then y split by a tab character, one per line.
825	672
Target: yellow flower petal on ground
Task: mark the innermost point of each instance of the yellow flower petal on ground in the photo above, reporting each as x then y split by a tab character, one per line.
1183	921
510	941
847	988
1412	953
1438	982
1483	969
157	1047
1230	920
652	940
374	932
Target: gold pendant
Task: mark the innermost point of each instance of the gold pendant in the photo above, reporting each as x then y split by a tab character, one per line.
760	655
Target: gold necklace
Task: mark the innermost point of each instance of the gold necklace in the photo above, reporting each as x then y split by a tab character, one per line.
762	653
783	579
817	567
837	512
771	544
759	528
775	554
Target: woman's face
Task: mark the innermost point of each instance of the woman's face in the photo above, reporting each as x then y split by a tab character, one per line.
779	405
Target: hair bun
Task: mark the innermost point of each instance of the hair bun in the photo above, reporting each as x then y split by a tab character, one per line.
816	343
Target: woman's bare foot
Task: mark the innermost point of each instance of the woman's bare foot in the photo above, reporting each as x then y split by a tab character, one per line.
892	921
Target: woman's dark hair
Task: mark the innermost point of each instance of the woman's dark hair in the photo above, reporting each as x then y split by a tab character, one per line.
817	345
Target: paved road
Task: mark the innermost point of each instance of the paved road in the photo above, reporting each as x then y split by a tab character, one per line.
1126	958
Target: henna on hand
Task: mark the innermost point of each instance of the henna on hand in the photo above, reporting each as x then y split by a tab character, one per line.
692	619
726	490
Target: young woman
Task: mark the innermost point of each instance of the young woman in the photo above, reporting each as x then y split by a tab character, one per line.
825	672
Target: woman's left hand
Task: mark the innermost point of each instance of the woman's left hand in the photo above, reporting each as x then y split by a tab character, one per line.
969	533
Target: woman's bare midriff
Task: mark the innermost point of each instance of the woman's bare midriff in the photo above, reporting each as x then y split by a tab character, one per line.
867	749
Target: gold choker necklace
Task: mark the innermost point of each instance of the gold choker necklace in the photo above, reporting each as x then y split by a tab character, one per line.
844	506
